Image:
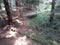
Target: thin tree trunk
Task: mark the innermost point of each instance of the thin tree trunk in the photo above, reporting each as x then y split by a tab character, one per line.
52	11
1	12
0	5
18	8
8	11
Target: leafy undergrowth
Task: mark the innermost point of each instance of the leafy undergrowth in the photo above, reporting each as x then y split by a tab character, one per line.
41	18
46	34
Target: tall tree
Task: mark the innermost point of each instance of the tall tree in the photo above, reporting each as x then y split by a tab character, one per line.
8	11
52	11
18	8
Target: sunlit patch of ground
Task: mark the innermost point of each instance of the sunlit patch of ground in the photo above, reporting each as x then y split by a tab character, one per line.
10	33
22	41
20	22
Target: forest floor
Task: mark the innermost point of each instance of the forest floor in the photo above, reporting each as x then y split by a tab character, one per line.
21	32
18	33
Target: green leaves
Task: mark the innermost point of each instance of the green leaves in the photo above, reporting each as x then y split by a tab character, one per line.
41	18
34	2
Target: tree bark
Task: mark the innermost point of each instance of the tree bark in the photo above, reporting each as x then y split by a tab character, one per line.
52	11
7	8
18	8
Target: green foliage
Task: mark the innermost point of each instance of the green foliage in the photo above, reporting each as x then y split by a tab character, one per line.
34	2
43	41
41	18
57	14
58	6
42	25
57	9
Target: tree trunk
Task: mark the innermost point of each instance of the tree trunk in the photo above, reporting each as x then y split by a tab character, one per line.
0	6
18	8
52	11
8	11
